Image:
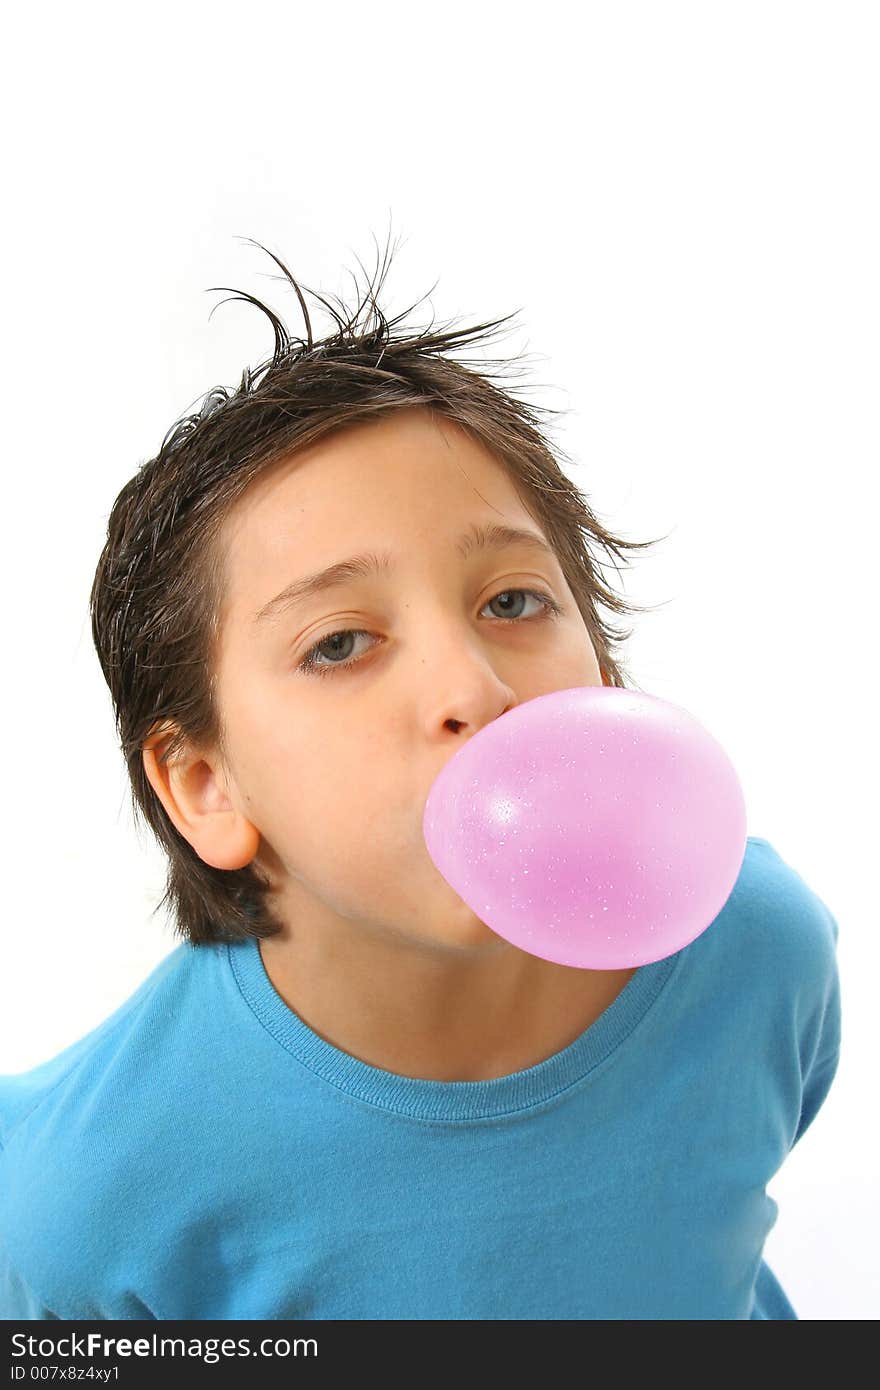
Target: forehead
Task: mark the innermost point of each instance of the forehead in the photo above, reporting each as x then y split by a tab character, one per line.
396	481
406	453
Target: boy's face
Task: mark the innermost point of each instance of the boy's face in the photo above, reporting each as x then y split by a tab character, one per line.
333	769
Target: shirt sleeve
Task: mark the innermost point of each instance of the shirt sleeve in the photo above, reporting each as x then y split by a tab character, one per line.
17	1301
820	1045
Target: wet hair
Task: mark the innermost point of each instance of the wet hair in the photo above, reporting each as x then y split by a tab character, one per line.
158	590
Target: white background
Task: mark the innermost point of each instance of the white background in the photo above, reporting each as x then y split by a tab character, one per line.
681	202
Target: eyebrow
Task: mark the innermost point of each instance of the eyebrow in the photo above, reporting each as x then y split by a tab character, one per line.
476	538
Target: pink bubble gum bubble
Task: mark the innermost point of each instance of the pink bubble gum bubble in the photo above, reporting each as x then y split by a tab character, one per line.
595	827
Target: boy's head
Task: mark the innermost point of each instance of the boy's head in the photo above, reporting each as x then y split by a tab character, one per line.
283	750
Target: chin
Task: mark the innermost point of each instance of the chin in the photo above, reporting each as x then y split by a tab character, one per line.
467	929
454	916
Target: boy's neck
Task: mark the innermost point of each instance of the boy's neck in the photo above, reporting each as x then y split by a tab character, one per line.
500	1014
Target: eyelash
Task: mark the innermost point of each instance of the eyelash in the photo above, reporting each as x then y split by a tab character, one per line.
550	609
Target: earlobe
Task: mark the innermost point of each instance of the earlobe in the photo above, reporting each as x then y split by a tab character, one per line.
201	812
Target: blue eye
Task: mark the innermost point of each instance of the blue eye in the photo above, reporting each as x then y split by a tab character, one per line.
313	667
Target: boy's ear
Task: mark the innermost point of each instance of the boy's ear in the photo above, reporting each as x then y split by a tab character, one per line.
193	791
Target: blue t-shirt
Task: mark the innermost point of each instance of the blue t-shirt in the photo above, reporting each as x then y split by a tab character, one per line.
202	1153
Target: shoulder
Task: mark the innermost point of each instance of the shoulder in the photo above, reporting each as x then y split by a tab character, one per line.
781	913
774	943
792	938
79	1067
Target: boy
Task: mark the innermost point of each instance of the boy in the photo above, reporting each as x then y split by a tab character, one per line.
342	1095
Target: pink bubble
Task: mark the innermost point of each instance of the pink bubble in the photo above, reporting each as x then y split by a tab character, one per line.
595	827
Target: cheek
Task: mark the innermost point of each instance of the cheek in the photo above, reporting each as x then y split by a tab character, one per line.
335	783
583	667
